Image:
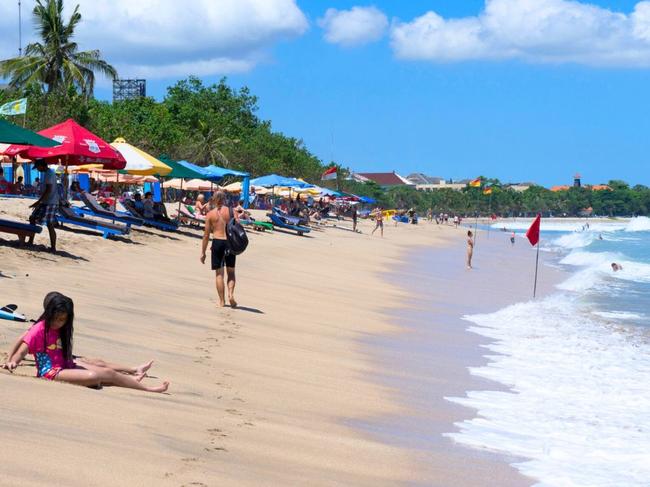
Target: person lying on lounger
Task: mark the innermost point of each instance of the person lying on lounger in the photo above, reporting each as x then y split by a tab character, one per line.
50	341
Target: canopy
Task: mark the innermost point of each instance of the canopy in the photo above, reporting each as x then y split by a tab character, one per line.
78	146
222	172
276	180
180	170
139	162
367	200
13	134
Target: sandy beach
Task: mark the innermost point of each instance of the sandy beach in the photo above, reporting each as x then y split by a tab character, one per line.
276	392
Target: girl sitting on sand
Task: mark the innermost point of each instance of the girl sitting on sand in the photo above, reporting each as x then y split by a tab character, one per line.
50	341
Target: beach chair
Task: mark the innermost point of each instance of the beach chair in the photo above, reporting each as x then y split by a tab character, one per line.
168	226
68	215
22	230
288	223
257	225
93	208
297	220
186	217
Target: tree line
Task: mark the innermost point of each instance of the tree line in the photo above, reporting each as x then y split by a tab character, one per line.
620	200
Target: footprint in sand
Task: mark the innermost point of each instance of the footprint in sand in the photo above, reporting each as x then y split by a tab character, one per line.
234	412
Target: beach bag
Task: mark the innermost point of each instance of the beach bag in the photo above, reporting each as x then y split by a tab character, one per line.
236	236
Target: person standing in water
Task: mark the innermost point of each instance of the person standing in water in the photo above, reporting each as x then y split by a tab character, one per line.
215	225
470	248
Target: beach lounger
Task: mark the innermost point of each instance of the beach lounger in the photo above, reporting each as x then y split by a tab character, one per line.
93	208
295	220
22	230
186	217
68	215
288	223
169	226
257	225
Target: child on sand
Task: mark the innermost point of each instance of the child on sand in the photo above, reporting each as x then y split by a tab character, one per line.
50	341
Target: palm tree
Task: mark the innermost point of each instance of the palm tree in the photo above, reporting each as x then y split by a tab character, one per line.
56	61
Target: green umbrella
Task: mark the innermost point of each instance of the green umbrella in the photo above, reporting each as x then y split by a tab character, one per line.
180	171
13	134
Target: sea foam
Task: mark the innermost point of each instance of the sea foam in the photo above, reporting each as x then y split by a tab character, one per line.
579	408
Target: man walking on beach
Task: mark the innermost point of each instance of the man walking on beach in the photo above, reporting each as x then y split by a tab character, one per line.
47	205
215	225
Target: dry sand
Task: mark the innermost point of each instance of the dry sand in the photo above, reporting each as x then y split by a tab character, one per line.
260	395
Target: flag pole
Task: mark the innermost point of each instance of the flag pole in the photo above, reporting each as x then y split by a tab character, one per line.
478	200
536	267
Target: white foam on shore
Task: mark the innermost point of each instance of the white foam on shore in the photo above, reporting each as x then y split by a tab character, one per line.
597	270
618	315
638	224
579	409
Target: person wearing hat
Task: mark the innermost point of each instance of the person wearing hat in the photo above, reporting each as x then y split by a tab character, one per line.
47	205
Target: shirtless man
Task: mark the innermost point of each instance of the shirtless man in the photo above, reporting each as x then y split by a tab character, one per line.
215	225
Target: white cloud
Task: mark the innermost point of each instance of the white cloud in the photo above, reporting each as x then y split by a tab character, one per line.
546	31
161	38
354	27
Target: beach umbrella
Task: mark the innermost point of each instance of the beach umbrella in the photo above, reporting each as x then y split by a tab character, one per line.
139	162
271	180
13	134
198	185
77	146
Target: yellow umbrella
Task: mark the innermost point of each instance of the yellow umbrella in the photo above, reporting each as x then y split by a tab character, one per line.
139	162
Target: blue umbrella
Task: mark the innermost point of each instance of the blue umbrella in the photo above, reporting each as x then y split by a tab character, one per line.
277	180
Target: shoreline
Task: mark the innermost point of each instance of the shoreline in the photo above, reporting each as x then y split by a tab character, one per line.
421	387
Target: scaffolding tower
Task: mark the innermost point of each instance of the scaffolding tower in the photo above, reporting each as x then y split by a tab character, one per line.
129	89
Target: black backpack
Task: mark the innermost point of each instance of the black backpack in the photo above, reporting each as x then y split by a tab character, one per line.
236	235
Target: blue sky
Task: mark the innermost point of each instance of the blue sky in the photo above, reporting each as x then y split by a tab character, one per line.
539	113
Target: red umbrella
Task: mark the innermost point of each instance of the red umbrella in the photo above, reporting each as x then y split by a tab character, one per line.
78	147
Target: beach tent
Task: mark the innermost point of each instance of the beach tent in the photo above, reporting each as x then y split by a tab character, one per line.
77	146
138	162
13	134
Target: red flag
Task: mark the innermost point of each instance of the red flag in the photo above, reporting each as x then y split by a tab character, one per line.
533	232
329	174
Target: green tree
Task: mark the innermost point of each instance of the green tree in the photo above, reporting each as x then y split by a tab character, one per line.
55	62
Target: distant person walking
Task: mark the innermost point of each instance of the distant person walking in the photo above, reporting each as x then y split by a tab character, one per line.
354	218
470	248
379	222
47	205
215	225
512	238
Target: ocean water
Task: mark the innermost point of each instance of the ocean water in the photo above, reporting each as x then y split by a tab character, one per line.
577	363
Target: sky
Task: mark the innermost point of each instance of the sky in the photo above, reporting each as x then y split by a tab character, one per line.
522	90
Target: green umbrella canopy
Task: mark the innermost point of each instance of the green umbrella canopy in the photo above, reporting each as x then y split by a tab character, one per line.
180	171
13	134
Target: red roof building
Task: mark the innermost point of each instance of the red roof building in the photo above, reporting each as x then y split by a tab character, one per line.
383	179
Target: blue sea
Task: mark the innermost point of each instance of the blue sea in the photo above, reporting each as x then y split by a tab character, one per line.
577	363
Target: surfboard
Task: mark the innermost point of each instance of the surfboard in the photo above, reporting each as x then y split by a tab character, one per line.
9	313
